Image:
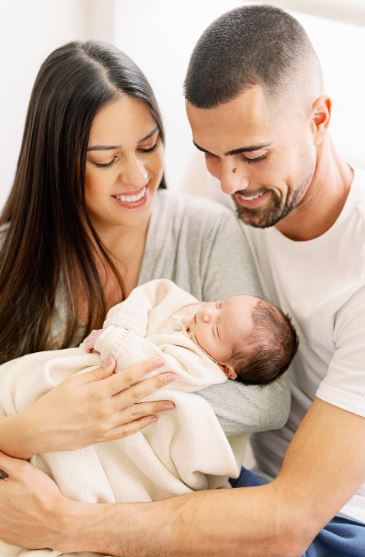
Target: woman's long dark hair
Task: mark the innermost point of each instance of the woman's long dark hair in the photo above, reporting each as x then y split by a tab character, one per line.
49	243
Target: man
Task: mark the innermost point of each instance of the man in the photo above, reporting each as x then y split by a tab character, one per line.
257	110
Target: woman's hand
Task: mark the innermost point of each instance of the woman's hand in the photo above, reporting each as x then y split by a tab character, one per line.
90	408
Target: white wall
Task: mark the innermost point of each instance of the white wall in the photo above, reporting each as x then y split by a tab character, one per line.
29	31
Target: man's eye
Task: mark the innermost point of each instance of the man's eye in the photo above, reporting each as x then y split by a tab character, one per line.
210	156
256	160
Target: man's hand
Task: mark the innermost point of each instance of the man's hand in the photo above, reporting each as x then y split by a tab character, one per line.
29	505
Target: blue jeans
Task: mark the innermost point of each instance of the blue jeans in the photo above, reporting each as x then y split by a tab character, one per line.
339	538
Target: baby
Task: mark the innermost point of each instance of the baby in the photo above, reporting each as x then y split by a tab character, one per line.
247	337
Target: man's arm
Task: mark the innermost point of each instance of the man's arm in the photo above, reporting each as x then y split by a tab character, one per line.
324	465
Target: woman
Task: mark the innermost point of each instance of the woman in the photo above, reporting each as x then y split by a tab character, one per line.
89	218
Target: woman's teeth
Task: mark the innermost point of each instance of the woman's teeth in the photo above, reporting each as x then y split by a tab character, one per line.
132	198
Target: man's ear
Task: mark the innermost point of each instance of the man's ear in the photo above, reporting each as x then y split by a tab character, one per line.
320	117
229	371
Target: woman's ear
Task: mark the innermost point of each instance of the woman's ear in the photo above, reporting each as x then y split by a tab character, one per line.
229	371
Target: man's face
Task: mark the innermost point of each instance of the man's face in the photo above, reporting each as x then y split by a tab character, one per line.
264	156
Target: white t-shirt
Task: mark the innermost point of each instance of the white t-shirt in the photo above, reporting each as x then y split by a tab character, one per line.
320	283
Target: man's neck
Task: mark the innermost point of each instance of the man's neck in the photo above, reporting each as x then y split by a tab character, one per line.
324	199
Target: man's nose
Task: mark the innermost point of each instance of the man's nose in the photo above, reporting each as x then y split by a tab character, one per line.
232	177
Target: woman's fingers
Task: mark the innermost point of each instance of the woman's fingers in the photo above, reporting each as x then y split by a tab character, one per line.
131	427
134	376
144	409
98	373
85	408
137	416
133	395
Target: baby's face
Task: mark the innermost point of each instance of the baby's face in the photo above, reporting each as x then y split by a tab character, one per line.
221	327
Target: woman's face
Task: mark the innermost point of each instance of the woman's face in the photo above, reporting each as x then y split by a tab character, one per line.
124	164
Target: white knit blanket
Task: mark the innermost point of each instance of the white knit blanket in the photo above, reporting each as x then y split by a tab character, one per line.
184	450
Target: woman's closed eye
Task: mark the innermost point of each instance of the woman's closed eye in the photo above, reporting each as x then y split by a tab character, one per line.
105	164
148	149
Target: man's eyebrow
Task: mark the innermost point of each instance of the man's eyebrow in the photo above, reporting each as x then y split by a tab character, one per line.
237	151
110	147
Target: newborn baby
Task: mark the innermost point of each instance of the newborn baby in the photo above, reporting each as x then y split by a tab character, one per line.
248	338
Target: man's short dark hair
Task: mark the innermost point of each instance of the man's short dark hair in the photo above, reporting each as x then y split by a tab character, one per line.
269	349
247	46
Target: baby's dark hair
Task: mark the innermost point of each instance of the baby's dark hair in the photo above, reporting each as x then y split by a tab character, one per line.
269	349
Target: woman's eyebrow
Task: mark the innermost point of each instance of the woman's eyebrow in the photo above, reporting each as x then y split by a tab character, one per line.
150	134
103	147
111	147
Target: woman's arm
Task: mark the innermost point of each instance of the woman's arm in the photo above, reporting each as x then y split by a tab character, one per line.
85	409
250	408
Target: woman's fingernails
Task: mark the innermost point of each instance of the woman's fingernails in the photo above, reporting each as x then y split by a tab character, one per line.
157	362
170	377
169	405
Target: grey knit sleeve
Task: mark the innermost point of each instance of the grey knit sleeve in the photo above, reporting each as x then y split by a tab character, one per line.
248	409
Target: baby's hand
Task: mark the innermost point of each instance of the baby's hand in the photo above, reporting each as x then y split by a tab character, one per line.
90	340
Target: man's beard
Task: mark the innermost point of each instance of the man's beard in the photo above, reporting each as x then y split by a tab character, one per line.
275	210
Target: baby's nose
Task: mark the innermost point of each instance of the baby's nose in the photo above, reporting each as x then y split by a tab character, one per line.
206	313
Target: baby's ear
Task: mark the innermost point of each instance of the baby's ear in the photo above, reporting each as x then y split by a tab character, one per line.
229	371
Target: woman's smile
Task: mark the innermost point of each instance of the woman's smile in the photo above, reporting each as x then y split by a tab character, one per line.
132	200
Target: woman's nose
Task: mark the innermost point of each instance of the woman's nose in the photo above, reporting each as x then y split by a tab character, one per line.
134	174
